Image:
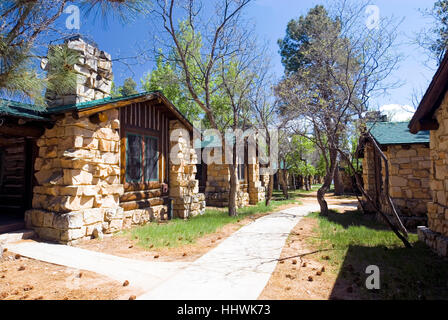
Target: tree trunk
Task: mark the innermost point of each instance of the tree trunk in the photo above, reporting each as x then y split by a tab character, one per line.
233	190
327	183
270	189
338	186
300	182
374	204
233	183
283	182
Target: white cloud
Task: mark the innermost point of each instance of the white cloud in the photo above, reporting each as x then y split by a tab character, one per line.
396	112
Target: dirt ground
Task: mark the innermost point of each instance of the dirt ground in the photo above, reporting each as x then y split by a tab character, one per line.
302	273
123	246
27	279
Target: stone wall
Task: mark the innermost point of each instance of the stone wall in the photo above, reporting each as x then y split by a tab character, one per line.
436	236
218	186
77	175
409	168
184	188
255	188
368	170
264	178
347	181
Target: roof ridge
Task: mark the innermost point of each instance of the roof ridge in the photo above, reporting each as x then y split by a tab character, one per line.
99	101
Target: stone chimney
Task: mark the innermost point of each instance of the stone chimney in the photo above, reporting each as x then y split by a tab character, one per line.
94	75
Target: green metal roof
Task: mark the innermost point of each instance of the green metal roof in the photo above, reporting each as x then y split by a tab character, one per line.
19	109
390	133
208	142
94	103
28	111
23	110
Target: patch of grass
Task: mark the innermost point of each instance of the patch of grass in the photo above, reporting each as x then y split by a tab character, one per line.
178	232
356	241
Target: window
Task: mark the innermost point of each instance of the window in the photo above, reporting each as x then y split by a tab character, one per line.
142	158
151	159
241	172
241	167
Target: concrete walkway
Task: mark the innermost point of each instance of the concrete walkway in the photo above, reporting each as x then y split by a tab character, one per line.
141	274
240	267
237	269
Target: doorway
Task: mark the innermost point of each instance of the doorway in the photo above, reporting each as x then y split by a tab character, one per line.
17	156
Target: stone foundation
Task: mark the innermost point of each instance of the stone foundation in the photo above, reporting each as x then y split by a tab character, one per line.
434	240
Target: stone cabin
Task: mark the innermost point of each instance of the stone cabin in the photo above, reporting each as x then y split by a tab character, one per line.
91	164
215	178
432	114
409	170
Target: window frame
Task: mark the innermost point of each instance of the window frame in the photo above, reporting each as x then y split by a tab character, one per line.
157	164
143	157
241	168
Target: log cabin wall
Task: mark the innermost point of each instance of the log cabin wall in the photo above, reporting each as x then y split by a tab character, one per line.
148	198
15	175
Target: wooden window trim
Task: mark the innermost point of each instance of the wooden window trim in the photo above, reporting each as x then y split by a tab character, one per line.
153	138
143	135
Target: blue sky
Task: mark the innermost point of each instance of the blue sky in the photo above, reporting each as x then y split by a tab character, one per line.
271	18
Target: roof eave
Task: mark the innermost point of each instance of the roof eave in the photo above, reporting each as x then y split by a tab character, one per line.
156	95
422	119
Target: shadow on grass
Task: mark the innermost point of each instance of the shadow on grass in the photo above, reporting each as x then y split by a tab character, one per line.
355	218
405	274
360	241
